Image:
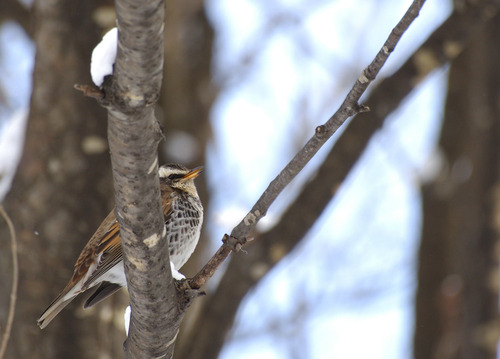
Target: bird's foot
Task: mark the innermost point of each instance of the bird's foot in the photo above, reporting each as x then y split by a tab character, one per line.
186	293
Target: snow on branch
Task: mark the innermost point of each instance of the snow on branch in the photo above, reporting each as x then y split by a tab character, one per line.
104	57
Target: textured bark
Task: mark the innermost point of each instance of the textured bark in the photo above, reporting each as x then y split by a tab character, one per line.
133	135
457	299
61	192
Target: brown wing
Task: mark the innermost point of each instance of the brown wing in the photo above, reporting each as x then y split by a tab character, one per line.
108	231
104	290
108	241
109	247
85	260
166	200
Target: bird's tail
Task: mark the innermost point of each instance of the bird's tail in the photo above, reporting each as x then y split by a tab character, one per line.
50	313
58	304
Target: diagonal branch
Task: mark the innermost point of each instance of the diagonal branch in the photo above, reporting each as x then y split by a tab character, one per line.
458	30
349	107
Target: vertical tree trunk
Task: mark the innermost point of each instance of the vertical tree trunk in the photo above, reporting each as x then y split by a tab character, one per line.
61	192
457	298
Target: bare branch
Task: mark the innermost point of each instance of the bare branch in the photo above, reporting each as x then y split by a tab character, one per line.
90	91
229	244
15	281
349	107
458	30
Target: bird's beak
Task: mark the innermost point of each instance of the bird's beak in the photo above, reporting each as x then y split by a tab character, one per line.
193	173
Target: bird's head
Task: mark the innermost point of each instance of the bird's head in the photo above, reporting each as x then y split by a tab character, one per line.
180	177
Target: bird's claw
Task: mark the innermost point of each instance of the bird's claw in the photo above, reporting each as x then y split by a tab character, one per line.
185	289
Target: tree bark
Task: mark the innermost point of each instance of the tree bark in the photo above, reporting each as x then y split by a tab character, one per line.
13	10
133	135
457	297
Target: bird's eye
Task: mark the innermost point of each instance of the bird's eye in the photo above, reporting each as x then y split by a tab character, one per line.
175	176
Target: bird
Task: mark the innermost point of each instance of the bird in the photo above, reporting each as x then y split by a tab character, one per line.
101	261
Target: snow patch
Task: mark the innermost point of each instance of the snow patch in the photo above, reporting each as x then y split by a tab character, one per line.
11	148
104	56
176	274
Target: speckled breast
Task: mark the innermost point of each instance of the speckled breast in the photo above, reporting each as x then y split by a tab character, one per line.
183	227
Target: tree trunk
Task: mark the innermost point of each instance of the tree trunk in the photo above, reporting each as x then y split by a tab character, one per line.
457	298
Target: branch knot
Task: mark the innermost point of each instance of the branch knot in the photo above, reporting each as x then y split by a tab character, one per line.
233	243
321	131
251	218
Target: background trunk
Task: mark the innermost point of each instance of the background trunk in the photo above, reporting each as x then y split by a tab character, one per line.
61	192
457	299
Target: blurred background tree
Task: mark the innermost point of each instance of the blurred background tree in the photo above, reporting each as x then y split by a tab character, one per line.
387	239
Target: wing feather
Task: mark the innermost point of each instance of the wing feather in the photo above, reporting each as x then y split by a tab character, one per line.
109	252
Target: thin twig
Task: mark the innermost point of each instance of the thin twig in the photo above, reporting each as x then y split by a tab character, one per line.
15	280
349	107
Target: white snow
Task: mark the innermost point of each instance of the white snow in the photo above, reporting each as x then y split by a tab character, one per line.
104	56
126	318
176	274
11	148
